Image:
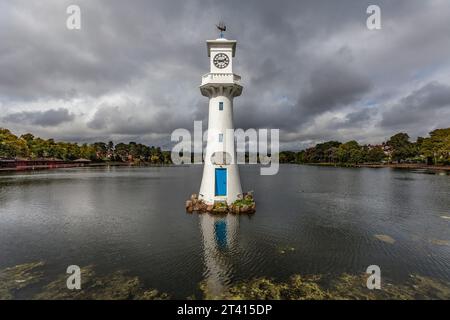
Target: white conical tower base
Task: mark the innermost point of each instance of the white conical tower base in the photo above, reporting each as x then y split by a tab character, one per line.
220	166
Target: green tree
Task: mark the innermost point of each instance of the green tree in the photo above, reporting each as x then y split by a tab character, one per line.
11	146
101	150
437	146
121	152
167	157
287	157
402	148
375	154
349	152
300	157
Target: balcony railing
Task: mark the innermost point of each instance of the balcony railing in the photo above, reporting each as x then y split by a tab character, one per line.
221	78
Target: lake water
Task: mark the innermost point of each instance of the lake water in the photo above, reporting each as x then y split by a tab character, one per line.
309	220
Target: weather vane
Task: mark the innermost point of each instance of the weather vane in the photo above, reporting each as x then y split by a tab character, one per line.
222	27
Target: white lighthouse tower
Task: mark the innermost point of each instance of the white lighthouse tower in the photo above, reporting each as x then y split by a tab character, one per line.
220	182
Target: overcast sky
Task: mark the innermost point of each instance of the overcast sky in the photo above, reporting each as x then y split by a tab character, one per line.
310	68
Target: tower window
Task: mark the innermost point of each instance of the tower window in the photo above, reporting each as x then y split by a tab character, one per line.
220	106
220	137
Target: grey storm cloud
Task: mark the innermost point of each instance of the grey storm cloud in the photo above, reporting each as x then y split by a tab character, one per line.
359	116
429	102
52	117
332	86
310	68
132	119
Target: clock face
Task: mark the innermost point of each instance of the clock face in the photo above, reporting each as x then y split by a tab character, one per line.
221	60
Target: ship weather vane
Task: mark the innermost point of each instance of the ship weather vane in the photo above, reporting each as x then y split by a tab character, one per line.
222	27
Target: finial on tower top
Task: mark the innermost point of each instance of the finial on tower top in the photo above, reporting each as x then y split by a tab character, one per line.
222	27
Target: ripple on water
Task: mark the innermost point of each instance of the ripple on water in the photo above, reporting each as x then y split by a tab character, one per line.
133	219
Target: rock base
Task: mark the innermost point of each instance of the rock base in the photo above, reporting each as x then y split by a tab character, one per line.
245	204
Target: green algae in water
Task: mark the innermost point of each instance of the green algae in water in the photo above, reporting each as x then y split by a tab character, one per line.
121	286
19	277
114	286
343	287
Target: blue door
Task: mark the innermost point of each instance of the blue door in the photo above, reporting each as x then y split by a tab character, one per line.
220	228
221	182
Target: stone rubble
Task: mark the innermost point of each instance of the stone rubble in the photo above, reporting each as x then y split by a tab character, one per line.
245	204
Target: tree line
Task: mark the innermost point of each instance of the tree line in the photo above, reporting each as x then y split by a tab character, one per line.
27	146
434	149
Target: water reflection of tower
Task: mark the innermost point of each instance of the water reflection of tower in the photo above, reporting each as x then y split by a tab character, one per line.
219	242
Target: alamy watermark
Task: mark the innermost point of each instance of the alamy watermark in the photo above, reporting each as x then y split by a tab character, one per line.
373	22
374	280
263	146
74	280
73	21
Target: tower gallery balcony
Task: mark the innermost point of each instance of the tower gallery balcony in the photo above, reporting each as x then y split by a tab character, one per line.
225	83
221	78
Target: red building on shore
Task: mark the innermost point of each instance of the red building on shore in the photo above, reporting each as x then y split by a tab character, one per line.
25	164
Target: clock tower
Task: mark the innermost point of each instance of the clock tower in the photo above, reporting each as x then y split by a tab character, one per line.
221	181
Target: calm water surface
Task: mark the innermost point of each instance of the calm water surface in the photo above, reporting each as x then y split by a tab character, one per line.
309	220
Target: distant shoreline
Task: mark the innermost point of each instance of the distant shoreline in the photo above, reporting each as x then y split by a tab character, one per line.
47	165
30	165
381	165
